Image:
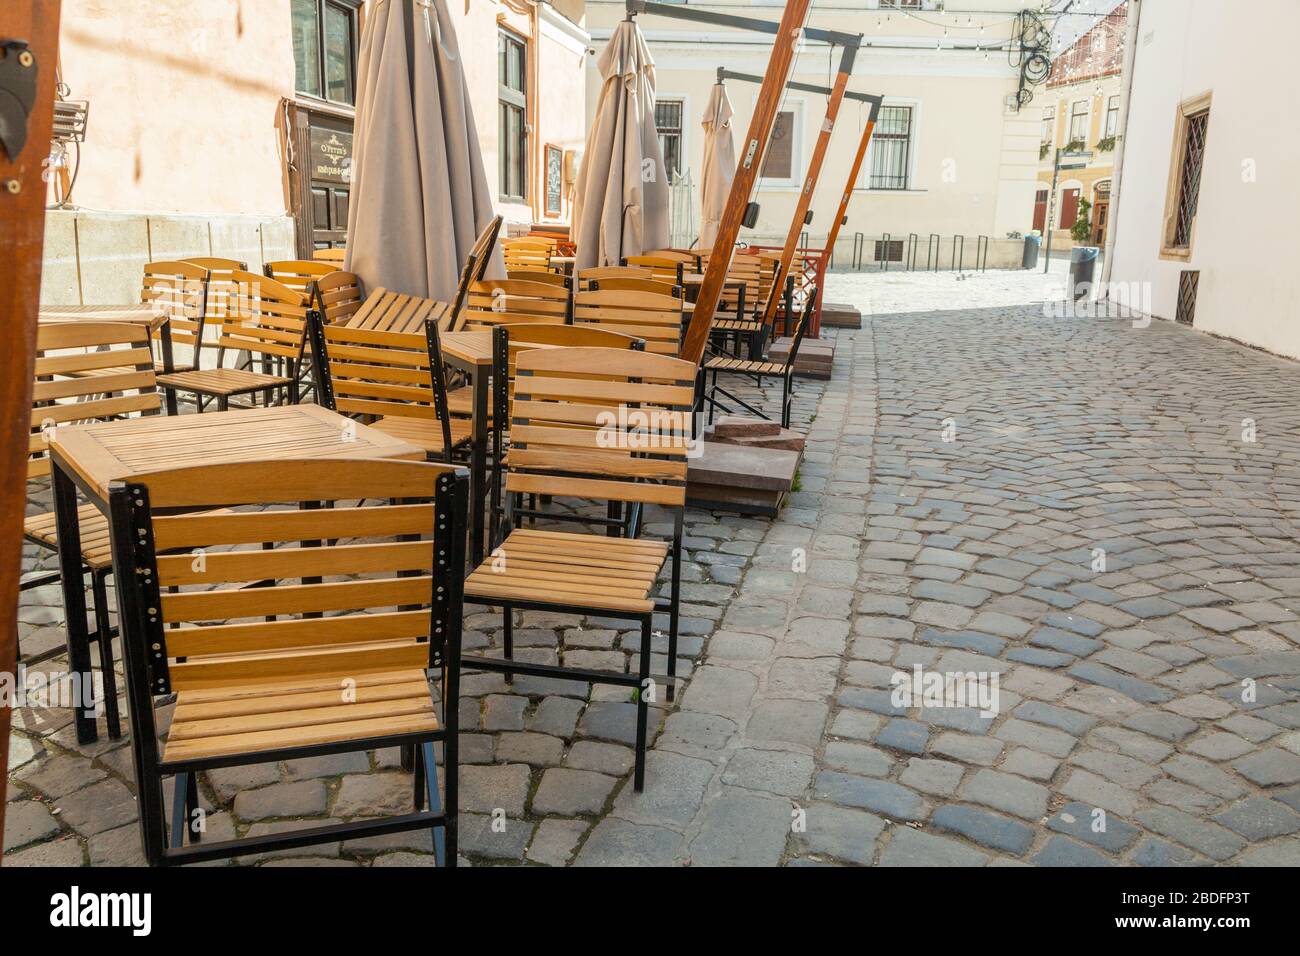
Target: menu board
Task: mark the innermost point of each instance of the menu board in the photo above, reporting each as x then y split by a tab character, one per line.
554	179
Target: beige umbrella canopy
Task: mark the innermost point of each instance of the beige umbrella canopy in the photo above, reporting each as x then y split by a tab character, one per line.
719	163
419	190
621	200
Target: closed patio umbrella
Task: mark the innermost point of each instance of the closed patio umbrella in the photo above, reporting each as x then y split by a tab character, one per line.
419	190
719	164
621	200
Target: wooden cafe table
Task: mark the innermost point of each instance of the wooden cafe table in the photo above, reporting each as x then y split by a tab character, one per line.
91	457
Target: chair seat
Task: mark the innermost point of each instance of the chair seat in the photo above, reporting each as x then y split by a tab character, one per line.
425	433
291	714
96	549
562	568
222	381
735	325
749	366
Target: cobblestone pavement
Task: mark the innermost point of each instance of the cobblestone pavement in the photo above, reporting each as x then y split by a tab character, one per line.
1073	505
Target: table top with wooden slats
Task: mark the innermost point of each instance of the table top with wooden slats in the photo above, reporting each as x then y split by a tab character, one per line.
102	453
134	313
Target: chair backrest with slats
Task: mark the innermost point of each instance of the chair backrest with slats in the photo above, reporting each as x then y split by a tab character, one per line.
537	275
377	374
621	284
191	622
63	393
670	270
645	315
528	253
179	289
336	256
263	317
386	311
609	424
587	276
217	263
298	274
492	302
476	265
338	296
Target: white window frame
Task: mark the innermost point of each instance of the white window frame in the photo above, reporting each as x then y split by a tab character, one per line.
687	121
798	164
914	147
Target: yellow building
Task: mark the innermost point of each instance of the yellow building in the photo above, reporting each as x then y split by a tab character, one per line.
1080	114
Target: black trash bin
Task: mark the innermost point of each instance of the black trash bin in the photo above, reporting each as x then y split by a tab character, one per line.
1083	266
1030	257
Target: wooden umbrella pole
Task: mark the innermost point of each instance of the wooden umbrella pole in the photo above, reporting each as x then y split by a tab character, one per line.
798	220
842	213
742	187
35	25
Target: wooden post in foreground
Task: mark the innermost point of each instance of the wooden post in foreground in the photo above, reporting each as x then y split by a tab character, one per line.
801	208
22	240
742	187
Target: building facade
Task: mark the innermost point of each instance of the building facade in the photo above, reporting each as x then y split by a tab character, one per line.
224	128
950	156
1201	226
1080	114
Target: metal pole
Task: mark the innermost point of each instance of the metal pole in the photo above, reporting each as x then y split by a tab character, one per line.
1051	210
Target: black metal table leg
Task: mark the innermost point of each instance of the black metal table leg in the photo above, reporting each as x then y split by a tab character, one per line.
74	596
169	365
478	465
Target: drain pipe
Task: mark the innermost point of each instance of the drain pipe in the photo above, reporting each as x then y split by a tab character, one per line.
1117	177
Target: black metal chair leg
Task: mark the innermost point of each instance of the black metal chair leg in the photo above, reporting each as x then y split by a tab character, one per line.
193	826
408	757
418	779
642	708
508	637
444	836
104	633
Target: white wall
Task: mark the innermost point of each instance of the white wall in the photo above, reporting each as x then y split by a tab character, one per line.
1245	243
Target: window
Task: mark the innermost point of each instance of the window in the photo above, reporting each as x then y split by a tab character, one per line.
1049	124
1079	122
891	148
1112	117
668	121
899	4
779	159
1191	141
325	48
512	96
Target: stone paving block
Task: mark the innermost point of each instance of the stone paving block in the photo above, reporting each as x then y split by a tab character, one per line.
1203	836
1058	851
56	775
908	847
616	721
103	806
1062	718
1258	818
1270	767
907	735
616	842
1093	825
968	749
988	829
484	789
725	691
1156	852
773	771
890	800
555	840
837	832
1031	764
499	838
27	821
1006	792
568	793
504	712
741	828
673	794
857	758
936	777
787	721
601	757
1125	771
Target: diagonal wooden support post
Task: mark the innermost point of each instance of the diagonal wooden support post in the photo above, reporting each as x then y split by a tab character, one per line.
842	213
801	208
742	187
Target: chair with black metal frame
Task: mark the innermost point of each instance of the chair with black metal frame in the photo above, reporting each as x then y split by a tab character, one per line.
490	302
606	425
263	319
392	381
335	670
757	369
64	393
476	265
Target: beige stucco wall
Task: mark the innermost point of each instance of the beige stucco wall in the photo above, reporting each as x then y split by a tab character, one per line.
1244	240
973	163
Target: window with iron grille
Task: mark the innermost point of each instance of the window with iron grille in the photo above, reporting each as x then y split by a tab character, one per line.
891	144
512	109
668	121
1112	116
1049	124
1189	178
1079	122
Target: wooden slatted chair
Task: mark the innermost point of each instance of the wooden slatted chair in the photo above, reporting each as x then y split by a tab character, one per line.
626	284
338	296
391	380
739	317
266	320
64	394
298	273
644	315
492	302
528	252
609	425
476	264
386	311
335	256
178	288
317	662
757	369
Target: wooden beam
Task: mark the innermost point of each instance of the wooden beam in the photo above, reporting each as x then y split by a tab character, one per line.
22	240
809	185
742	187
842	212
